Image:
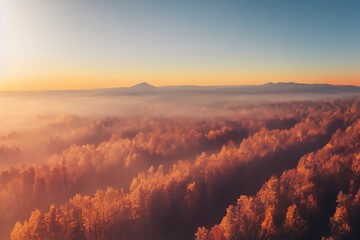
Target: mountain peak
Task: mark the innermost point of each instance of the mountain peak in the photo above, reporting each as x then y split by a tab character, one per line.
281	84
143	86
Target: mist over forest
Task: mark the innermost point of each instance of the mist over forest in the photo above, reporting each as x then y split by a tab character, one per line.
274	161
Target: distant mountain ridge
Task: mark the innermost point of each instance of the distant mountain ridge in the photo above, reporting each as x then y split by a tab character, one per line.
270	88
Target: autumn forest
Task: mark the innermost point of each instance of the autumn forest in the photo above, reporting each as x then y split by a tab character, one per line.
286	169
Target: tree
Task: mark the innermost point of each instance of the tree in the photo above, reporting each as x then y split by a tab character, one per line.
201	234
76	228
36	226
18	232
268	227
53	226
294	224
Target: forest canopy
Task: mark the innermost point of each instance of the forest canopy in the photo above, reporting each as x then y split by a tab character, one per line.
267	170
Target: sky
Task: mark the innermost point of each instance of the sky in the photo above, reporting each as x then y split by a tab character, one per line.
76	44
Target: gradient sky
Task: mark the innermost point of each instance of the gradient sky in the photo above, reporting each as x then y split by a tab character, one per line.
72	44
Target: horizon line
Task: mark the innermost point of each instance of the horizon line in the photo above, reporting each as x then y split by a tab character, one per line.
174	85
